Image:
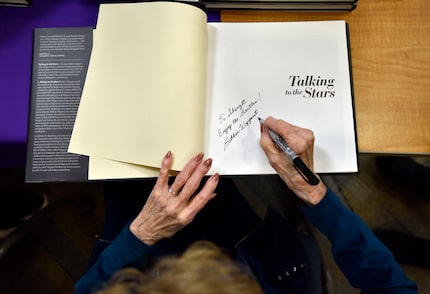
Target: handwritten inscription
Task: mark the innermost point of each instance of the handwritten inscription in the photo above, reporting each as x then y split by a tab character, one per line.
237	119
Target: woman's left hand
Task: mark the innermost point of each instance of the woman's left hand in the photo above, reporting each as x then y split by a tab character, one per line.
169	209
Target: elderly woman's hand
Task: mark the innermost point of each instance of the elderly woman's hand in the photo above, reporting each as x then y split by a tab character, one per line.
302	142
169	209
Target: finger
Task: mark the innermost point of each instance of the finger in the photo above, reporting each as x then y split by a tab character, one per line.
186	173
195	179
201	199
267	143
277	158
163	177
286	130
299	139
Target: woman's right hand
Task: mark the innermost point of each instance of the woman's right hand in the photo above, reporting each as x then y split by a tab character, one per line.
302	142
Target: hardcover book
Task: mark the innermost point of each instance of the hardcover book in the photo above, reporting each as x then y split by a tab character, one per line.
304	5
60	61
161	78
15	2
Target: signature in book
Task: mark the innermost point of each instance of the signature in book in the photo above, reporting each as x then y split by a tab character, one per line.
237	119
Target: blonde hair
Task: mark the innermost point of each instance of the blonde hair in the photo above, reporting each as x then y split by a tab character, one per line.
202	268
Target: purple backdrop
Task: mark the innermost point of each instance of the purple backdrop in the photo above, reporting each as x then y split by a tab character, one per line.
16	38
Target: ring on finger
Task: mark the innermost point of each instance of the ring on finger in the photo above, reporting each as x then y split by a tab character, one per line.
172	192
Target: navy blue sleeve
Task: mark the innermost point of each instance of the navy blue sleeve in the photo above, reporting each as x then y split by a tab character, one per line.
125	250
364	260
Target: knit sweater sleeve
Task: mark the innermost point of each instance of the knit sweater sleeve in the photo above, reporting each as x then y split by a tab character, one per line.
363	259
125	250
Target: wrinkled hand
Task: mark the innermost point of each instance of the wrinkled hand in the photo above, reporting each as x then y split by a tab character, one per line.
302	142
169	209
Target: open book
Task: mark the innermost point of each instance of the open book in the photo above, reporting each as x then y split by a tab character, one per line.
161	78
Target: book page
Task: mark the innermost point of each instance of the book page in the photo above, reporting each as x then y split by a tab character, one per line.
298	72
101	169
145	86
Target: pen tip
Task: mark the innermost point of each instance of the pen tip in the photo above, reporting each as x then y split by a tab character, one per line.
261	120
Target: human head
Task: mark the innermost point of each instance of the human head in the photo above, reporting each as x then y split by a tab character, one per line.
202	268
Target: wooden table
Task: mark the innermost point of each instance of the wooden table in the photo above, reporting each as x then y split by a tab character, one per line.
390	48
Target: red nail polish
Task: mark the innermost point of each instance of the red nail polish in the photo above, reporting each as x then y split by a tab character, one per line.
215	177
168	154
199	157
208	162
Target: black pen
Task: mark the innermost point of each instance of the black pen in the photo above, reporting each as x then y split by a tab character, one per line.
299	165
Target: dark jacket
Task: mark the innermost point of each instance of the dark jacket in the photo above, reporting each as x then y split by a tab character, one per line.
279	263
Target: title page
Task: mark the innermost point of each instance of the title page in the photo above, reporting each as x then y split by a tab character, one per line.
296	71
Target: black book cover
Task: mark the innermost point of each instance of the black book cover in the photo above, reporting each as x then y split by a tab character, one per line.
60	63
317	5
15	2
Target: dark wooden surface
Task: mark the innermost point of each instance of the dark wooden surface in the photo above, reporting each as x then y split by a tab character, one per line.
50	252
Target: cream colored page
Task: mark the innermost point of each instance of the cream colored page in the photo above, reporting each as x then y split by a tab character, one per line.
100	169
145	86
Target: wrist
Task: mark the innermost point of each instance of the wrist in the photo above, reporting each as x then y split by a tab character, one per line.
138	230
313	195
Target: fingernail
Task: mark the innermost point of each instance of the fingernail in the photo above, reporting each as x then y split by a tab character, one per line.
215	177
214	194
168	154
199	156
208	162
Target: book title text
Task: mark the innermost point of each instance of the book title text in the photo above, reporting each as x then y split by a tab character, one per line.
311	86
